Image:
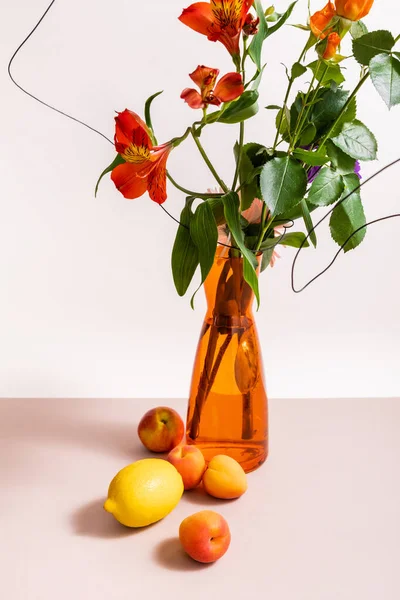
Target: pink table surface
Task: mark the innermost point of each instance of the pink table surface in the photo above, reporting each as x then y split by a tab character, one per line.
320	520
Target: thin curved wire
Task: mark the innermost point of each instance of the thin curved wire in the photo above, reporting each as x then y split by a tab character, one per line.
297	291
35	97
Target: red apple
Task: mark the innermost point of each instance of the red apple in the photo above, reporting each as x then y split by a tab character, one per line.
205	536
190	464
161	429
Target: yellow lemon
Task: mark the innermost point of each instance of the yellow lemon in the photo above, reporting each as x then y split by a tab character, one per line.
144	492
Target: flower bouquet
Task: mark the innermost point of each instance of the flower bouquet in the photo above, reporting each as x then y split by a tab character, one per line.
231	233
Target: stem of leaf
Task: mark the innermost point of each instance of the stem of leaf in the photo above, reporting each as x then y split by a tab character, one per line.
208	162
190	192
285	101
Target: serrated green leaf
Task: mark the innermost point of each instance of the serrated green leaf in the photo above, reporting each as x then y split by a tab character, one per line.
308	222
232	207
243	108
204	233
118	160
326	188
369	45
357	29
348	116
348	216
147	115
298	70
343	163
283	182
255	47
385	75
324	74
310	158
185	255
357	141
328	108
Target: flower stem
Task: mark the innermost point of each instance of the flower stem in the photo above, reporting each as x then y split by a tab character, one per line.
240	69
208	162
199	195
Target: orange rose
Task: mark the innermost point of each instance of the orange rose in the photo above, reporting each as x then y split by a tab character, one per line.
321	19
332	45
354	10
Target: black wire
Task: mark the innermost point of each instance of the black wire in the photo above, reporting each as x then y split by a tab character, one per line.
35	97
286	226
297	291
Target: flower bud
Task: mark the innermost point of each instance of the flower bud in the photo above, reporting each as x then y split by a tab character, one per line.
320	20
333	40
354	10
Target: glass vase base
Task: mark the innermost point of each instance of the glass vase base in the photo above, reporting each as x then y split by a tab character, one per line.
249	455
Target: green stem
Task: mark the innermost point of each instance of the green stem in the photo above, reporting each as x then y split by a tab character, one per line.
190	192
264	226
285	101
240	69
350	98
208	162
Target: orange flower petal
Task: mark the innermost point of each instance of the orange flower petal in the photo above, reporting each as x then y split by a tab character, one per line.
354	10
157	180
332	45
127	125
321	19
127	182
198	16
193	98
229	87
204	76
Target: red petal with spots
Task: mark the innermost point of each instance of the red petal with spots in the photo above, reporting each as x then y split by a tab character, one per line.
193	98
229	87
157	180
127	182
198	16
129	125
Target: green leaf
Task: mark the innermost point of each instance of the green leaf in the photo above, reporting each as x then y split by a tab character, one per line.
273	107
185	255
348	116
348	216
325	112
323	74
343	163
217	207
118	160
204	233
294	240
266	259
385	75
326	188
249	187
308	135
369	45
310	158
147	115
283	182
243	108
357	141
255	48
308	222
298	70
357	29
282	19
232	207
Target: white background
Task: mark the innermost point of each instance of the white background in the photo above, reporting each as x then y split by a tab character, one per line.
87	303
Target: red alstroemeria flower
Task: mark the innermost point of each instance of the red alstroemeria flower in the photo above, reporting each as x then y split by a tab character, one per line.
220	20
228	88
144	168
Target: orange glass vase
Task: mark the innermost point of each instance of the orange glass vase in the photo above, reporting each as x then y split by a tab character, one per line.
228	410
